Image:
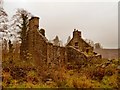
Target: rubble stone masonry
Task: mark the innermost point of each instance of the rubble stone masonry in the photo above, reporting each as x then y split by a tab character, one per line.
44	52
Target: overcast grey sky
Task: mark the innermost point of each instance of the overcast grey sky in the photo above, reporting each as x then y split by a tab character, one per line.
98	21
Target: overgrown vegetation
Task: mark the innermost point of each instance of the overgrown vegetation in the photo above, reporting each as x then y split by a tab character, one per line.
24	74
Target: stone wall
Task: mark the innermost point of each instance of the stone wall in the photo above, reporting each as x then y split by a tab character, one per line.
37	44
45	53
41	50
96	59
56	55
78	43
75	56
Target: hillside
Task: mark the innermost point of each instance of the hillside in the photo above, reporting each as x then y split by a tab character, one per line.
108	53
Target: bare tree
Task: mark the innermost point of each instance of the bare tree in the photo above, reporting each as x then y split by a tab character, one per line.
3	19
3	28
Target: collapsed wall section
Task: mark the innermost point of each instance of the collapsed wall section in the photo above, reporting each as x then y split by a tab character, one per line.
56	55
75	56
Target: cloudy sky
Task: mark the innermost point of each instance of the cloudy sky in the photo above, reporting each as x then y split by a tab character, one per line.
97	20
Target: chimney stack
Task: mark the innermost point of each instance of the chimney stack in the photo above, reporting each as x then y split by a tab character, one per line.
76	33
34	23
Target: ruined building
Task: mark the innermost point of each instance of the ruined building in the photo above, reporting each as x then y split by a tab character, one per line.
78	43
44	52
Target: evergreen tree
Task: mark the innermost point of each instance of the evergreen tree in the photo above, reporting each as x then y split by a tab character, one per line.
98	46
56	41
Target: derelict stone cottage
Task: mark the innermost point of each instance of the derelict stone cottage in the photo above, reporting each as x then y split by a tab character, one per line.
44	52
